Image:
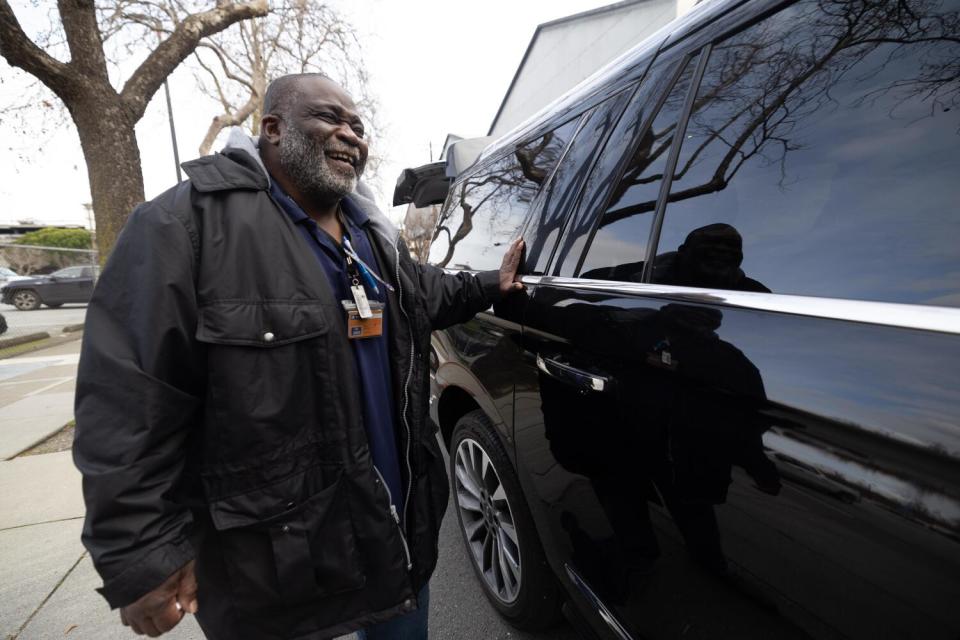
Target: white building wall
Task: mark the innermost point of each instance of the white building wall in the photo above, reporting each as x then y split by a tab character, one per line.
564	54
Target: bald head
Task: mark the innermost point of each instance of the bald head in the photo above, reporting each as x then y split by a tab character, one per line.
284	92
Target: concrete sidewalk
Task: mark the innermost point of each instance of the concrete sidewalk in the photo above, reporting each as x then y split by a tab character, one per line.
36	396
47	585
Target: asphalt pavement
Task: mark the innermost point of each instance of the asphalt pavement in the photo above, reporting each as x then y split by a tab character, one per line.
43	319
48	581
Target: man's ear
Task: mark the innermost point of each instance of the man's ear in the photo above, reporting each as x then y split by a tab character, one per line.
270	128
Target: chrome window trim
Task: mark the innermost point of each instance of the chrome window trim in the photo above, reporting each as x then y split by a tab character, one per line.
891	314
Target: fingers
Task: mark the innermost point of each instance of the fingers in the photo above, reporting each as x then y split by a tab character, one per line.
511	259
166	619
160	610
187	590
516	250
149	628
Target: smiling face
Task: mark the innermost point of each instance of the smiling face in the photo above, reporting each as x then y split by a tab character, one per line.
321	145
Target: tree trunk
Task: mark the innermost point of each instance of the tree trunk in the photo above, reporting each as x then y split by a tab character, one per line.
110	150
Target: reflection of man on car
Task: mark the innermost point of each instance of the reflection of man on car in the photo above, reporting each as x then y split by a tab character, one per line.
709	257
687	409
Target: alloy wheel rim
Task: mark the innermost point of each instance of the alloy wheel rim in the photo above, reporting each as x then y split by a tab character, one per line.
23	299
486	521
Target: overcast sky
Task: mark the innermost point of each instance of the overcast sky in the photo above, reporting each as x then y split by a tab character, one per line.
437	67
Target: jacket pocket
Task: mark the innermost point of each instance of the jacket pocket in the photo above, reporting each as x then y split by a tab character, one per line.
260	323
270	368
286	544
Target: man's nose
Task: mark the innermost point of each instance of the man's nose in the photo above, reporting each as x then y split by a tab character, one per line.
346	133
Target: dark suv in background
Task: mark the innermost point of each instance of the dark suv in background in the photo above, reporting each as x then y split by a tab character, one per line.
728	404
70	284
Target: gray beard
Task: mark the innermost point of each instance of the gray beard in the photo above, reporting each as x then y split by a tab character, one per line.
304	160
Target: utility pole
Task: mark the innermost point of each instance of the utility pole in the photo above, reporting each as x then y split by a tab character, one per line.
173	132
91	220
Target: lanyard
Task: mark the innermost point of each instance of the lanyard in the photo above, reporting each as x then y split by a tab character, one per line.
356	285
369	274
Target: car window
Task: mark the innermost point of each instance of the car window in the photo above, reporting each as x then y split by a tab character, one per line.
7	272
596	128
486	209
618	236
542	231
821	158
69	272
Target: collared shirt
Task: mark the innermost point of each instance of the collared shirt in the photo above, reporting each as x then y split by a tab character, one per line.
372	355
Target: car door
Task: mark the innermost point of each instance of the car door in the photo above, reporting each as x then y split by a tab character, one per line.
593	468
62	286
83	286
484	213
736	418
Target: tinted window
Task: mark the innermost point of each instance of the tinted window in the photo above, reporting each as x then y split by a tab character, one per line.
542	232
619	245
821	158
69	272
487	208
596	128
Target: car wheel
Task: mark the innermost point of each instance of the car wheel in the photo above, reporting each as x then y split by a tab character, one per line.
3	325
26	300
498	529
54	305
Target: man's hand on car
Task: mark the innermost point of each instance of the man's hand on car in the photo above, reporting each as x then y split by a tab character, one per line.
508	269
162	609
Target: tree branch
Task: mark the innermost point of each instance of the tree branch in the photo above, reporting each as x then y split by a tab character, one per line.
20	51
221	122
171	52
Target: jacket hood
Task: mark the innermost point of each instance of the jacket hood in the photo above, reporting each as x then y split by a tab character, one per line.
211	172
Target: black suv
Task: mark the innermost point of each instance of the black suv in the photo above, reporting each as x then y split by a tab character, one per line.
728	405
71	284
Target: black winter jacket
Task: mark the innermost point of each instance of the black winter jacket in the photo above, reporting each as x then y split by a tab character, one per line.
218	416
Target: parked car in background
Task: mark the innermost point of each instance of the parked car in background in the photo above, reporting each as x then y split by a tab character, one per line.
70	284
727	405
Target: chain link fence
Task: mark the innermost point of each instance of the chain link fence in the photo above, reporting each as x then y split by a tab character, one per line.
43	294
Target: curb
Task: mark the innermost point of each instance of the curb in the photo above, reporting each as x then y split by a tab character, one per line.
30	337
44	343
71	328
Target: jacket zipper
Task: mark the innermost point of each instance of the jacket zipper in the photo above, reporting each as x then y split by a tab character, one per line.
396	518
406	385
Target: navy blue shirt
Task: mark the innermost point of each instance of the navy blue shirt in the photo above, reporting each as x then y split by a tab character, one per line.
372	355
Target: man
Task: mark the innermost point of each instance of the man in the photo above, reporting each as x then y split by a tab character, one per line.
253	390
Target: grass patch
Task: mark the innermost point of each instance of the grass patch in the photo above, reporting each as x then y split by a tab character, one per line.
26	347
60	441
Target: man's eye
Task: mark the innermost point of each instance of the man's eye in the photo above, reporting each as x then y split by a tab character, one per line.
358	131
328	117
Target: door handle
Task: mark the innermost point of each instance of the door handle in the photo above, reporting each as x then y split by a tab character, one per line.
582	380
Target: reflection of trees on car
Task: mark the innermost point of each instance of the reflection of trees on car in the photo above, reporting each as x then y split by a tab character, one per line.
508	187
767	87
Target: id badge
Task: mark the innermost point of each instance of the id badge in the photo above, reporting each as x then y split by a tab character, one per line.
358	326
362	304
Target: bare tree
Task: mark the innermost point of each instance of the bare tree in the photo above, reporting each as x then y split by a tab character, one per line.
297	36
105	116
417	232
510	185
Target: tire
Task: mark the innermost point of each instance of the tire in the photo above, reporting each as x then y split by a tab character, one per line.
25	299
54	305
522	587
3	325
